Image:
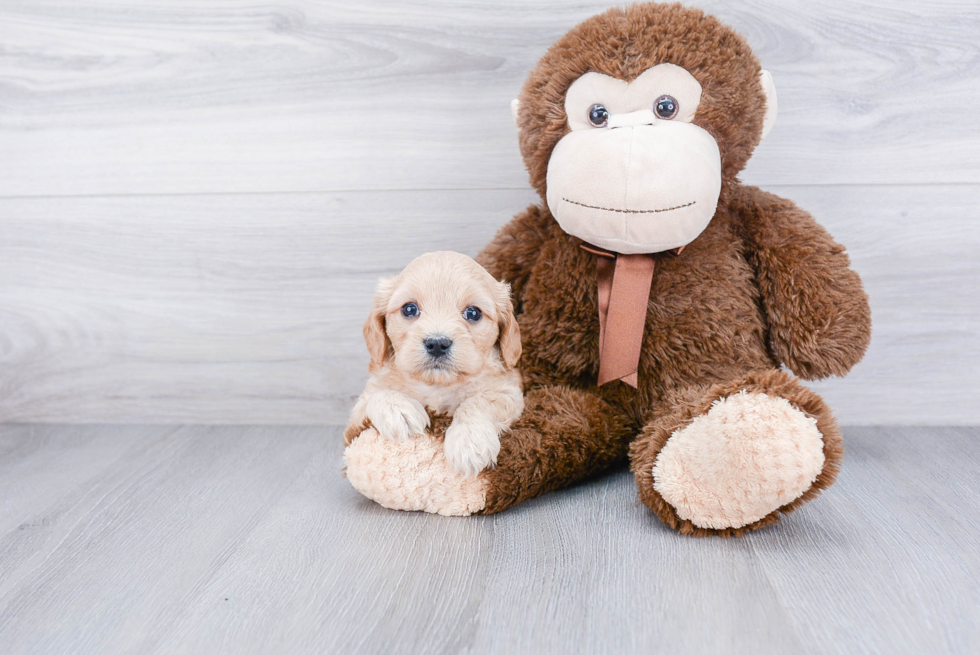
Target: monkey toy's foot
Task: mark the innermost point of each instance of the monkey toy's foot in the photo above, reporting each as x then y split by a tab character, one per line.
411	475
731	458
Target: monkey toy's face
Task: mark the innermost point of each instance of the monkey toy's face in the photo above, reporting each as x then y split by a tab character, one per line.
635	174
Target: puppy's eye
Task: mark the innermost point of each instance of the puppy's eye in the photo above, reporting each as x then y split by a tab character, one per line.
472	314
410	310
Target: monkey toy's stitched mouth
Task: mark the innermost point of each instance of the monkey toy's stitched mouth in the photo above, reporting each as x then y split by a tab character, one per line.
630	211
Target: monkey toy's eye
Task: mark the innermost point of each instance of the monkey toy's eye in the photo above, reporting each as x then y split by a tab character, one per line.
410	310
665	107
598	115
472	314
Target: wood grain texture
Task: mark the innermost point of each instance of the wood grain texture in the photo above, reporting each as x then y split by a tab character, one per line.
106	97
248	308
248	540
236	309
197	197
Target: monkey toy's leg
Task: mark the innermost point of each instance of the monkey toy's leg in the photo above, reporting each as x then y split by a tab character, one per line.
563	435
729	458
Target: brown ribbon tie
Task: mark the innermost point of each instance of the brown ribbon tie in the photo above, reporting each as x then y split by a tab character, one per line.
624	283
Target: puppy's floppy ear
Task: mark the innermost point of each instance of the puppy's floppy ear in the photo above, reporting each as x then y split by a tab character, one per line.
375	334
509	340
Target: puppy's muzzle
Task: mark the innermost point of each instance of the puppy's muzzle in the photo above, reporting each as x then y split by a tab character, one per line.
437	345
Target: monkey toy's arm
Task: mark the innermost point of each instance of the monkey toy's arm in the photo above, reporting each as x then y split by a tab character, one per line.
818	314
516	246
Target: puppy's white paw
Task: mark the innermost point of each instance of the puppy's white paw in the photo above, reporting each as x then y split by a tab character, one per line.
396	416
471	446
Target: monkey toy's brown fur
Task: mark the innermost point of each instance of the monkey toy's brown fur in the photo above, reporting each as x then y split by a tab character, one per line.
763	285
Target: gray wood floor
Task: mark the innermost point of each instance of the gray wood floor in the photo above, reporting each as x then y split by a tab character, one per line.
248	540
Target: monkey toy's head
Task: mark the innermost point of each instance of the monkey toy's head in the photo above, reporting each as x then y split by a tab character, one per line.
634	122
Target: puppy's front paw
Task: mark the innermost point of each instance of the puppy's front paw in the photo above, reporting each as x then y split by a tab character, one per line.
471	446
396	416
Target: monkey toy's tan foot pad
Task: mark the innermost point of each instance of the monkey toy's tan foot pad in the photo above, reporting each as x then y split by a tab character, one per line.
749	455
411	475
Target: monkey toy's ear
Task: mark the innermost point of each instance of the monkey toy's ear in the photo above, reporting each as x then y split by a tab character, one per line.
765	78
515	104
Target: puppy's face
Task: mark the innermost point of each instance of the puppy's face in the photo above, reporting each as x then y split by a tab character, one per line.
444	317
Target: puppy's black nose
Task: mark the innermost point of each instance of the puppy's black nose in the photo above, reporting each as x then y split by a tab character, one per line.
438	345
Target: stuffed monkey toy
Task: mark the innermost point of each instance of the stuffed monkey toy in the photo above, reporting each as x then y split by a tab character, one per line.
660	301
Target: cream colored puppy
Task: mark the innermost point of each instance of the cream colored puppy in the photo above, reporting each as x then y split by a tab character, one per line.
442	335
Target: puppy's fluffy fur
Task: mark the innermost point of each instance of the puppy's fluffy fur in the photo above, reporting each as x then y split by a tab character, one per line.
474	381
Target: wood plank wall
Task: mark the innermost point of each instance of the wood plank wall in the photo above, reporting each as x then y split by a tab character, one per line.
196	198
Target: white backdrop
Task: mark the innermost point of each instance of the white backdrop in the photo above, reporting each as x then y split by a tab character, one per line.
196	198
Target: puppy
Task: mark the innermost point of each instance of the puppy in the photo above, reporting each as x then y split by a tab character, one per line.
443	337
